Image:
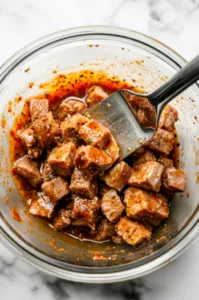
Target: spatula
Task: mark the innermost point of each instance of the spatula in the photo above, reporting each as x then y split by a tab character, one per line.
115	112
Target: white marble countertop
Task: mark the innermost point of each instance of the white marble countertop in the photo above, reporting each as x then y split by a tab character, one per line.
173	22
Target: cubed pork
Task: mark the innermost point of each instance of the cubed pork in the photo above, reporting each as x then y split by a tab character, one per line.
61	159
174	180
133	232
83	184
95	95
46	129
28	170
112	206
95	134
147	176
118	176
28	137
38	107
42	207
71	126
92	160
142	205
71	107
166	162
168	118
55	189
106	231
162	141
85	209
112	149
147	156
62	220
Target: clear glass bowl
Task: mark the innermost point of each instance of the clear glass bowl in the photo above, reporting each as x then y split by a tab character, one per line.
129	55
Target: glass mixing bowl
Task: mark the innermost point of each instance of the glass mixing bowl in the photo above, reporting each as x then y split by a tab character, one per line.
136	58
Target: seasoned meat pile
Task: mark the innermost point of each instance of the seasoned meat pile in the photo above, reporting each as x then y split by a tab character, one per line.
76	181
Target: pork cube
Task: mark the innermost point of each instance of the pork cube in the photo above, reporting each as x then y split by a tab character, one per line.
143	110
85	209
94	134
147	176
174	180
92	160
28	170
61	159
106	231
95	95
141	205
42	207
71	107
28	137
111	206
166	162
147	156
162	141
168	118
35	152
71	126
55	189
133	232
118	176
46	129
112	149
83	184
38	107
62	220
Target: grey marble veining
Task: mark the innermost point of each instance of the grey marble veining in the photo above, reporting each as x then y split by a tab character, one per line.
175	23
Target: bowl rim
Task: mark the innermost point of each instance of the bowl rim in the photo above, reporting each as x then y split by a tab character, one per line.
162	258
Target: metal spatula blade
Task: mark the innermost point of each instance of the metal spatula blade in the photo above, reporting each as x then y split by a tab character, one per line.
115	113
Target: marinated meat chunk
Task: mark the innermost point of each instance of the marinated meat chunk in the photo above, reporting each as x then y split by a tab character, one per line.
112	149
117	239
168	118
143	110
71	107
71	126
83	184
118	176
174	180
28	137
42	207
85	209
133	232
106	231
162	141
61	159
55	189
147	156
94	134
95	95
166	162
28	170
38	107
46	171
46	129
147	176
62	220
111	206
141	205
92	160
35	152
